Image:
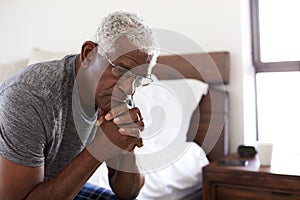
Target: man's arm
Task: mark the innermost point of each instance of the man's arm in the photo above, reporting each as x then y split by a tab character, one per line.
16	181
115	148
20	182
124	176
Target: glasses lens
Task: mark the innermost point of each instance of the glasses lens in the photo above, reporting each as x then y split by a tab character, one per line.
118	71
142	81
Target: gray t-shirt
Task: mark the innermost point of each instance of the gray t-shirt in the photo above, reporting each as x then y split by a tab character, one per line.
36	120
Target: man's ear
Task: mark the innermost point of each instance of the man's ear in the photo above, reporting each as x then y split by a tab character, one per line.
88	53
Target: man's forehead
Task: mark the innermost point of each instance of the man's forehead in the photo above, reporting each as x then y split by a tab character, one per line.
122	46
135	57
136	62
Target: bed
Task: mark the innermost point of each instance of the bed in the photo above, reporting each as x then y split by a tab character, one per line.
214	69
208	124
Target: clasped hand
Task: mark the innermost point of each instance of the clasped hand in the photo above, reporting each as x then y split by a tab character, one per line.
119	131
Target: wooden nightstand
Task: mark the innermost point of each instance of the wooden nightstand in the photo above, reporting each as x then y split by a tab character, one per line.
280	181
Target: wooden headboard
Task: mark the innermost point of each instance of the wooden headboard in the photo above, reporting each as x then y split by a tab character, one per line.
210	129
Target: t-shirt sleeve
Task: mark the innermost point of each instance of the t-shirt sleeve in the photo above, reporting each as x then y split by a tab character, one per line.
22	129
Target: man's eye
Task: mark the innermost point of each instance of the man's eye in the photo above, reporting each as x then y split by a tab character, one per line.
138	81
119	72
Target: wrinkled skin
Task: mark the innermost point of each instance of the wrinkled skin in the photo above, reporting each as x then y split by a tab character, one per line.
111	91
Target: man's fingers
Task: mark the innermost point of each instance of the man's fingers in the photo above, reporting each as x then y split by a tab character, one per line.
135	141
100	111
116	111
100	119
140	125
133	132
134	115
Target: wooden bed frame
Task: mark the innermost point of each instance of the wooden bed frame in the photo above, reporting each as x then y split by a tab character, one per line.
210	129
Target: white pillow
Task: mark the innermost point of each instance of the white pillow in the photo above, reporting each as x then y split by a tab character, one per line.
39	55
171	101
167	107
7	69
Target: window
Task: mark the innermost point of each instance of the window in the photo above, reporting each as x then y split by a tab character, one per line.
275	31
276	58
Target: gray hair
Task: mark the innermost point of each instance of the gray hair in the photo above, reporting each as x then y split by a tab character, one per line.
131	25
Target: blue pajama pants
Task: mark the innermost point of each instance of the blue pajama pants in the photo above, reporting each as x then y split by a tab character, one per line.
93	192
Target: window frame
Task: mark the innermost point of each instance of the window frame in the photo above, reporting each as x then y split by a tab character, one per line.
256	57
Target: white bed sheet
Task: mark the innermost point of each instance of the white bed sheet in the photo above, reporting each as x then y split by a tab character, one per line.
175	181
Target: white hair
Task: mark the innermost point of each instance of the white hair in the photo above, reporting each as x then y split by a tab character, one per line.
131	25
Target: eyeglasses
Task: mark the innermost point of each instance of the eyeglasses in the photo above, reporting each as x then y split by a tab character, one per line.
124	73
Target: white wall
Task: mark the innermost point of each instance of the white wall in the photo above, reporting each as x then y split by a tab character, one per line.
63	25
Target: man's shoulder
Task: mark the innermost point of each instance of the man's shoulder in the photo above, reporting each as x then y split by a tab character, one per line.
49	72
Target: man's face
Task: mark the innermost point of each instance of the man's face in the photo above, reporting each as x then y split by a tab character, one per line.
118	79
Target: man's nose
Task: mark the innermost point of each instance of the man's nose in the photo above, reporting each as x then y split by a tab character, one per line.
127	85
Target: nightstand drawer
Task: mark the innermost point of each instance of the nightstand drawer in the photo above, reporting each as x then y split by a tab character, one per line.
234	192
251	182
